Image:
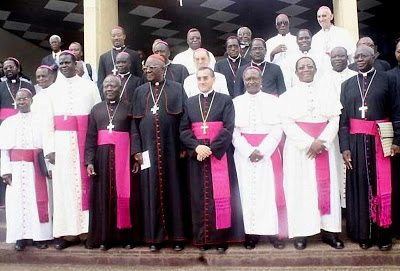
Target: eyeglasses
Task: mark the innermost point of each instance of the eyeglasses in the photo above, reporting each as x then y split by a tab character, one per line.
282	22
150	68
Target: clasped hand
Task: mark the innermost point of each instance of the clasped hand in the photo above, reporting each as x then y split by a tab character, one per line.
317	147
203	152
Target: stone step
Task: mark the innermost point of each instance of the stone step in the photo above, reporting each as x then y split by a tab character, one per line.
264	255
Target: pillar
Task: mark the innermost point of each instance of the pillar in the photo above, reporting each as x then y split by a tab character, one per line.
345	14
100	16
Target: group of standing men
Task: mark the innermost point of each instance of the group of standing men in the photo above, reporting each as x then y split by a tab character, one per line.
253	145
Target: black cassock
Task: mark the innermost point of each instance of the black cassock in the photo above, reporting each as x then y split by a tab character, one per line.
129	84
201	190
272	79
229	69
162	185
6	101
106	65
383	102
395	75
103	195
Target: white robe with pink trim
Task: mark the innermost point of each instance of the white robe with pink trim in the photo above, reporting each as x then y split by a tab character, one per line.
257	114
313	103
22	131
72	97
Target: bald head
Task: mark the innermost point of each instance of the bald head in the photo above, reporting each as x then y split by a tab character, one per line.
364	58
123	62
324	17
367	41
282	24
244	35
339	59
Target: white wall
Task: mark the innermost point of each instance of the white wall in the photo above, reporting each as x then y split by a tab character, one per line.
29	54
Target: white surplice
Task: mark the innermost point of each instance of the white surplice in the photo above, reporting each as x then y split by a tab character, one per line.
68	97
288	40
22	131
311	103
337	78
192	89
257	114
325	40
185	58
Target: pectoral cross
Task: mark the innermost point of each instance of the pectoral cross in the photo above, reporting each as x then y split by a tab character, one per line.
204	127
363	109
154	109
114	71
110	127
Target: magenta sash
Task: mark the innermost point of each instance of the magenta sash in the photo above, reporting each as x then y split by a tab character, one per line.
276	159
78	124
381	204
42	197
322	170
219	175
121	141
7	112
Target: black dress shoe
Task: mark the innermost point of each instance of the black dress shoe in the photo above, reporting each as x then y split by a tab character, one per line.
88	245
222	248
204	248
178	246
365	244
300	243
277	243
154	248
20	245
104	247
333	241
385	247
128	246
40	244
249	244
63	244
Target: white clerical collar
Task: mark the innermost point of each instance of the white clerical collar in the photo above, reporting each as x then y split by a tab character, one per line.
205	94
306	85
119	48
234	59
254	95
365	74
242	45
112	102
257	64
14	80
123	75
327	29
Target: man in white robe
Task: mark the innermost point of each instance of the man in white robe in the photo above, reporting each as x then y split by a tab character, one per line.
258	161
310	119
185	58
336	76
283	43
70	100
28	212
331	36
339	71
202	58
303	40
